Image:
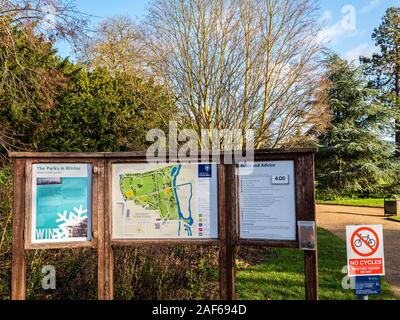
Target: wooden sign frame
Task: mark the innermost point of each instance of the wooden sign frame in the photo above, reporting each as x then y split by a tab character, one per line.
102	215
29	245
305	210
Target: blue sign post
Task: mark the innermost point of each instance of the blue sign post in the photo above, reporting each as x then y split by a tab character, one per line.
367	285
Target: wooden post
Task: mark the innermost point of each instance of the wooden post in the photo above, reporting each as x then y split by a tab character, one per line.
222	233
226	206
311	274
18	245
305	198
101	264
108	250
230	213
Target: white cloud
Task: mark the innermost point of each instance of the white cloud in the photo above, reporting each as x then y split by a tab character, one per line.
371	6
345	26
326	17
365	50
331	33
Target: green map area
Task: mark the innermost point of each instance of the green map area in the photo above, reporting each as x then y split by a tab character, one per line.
154	189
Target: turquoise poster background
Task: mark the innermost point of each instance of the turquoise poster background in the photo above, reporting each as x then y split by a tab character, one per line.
63	208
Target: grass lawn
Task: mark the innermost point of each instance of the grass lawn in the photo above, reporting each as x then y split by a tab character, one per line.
395	218
367	202
280	276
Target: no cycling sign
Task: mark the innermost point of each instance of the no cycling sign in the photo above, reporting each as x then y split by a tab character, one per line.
365	250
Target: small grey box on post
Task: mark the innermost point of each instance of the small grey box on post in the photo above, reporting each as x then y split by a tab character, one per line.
306	235
392	205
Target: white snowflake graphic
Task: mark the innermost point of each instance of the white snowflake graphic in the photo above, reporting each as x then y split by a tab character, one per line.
68	222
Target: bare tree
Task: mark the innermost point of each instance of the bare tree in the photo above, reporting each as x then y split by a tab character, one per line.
239	63
54	18
27	30
116	44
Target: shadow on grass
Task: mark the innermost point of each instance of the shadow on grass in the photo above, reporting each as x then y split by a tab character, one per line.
393	218
281	275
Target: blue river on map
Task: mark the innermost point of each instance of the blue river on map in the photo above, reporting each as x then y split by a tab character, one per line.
174	173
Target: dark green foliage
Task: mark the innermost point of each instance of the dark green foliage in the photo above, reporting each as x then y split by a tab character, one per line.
31	75
383	69
51	105
100	112
353	157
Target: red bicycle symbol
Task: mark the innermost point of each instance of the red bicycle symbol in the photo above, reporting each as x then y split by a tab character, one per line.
369	241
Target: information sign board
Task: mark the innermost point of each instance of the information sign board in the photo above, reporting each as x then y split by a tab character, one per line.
61	202
158	201
365	254
367	285
267	200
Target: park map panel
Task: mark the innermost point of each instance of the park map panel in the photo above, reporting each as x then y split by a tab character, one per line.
164	201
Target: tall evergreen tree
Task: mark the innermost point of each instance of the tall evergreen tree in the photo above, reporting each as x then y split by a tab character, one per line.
384	68
354	157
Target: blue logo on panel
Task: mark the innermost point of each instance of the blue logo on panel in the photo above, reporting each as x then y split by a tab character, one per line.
205	171
366	285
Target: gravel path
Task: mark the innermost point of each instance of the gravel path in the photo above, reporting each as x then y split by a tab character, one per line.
335	219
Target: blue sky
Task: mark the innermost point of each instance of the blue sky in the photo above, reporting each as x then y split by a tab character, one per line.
352	38
347	30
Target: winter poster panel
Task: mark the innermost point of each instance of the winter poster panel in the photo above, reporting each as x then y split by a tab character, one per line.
61	202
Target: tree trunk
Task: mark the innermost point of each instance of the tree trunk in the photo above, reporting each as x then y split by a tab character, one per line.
397	123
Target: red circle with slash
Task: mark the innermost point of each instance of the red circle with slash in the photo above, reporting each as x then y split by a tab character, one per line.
357	234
